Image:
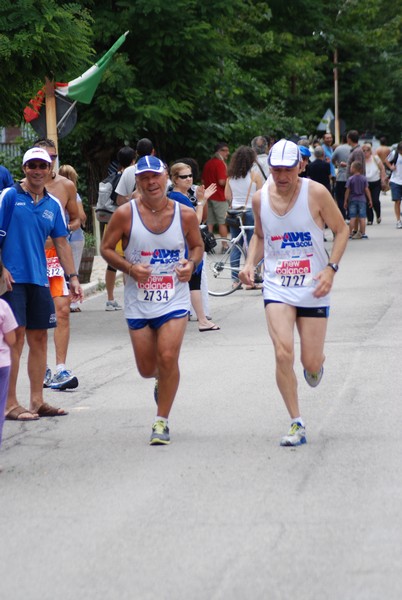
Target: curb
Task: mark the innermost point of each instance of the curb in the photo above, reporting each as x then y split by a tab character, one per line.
91	288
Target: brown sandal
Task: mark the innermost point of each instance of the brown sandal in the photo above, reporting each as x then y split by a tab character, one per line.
45	410
15	414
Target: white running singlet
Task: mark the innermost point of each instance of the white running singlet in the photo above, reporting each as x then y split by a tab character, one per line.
163	292
293	252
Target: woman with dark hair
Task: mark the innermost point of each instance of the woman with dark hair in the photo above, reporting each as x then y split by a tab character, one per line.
376	177
242	182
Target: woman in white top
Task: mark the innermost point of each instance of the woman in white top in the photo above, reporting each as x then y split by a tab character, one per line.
376	177
242	182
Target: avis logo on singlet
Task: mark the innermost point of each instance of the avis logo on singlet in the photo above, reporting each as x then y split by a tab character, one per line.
165	257
294	239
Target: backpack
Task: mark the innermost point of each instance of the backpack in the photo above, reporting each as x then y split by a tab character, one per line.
106	204
392	158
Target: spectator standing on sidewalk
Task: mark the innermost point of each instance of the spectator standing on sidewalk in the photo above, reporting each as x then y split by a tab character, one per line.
6	179
8	325
261	147
357	195
126	186
327	146
215	171
319	170
383	151
340	159
377	179
395	181
36	216
356	153
125	160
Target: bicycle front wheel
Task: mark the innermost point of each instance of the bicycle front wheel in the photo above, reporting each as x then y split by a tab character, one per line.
222	267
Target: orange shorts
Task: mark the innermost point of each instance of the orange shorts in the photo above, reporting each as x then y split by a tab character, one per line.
55	274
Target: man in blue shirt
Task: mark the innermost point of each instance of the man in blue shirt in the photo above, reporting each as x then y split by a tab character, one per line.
327	142
6	179
35	216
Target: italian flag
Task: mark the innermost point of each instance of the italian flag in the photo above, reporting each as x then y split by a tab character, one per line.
81	89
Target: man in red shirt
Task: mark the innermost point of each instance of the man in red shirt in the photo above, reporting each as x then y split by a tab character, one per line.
215	172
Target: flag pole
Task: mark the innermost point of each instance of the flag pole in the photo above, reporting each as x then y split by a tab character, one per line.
51	119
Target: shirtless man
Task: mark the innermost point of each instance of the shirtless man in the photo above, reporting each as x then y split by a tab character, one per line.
66	192
155	232
290	214
383	150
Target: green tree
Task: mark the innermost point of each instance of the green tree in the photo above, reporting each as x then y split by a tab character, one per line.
39	39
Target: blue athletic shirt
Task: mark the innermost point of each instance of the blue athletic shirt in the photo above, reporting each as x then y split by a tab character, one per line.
23	251
182	199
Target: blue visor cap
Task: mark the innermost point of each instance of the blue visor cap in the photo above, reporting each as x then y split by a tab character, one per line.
149	163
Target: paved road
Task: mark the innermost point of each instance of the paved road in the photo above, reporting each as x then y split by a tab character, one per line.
91	511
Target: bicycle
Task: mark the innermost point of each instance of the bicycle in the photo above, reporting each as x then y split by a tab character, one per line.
227	258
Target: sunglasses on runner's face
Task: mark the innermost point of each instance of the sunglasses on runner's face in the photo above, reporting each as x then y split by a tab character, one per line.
34	165
185	176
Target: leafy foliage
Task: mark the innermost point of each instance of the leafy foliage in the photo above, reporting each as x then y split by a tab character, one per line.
191	73
38	39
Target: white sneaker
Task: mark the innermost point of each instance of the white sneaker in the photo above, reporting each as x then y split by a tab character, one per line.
113	305
295	437
399	224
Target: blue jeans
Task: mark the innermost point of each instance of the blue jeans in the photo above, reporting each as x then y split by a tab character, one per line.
248	219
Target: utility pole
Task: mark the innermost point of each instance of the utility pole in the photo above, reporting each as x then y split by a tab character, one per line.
51	119
336	99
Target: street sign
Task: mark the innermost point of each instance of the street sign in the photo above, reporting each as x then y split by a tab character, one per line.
326	120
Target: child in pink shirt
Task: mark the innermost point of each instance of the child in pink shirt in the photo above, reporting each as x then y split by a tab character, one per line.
8	324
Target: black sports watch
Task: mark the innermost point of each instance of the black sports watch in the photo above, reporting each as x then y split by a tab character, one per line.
334	266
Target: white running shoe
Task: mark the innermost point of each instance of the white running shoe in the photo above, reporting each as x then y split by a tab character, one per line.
113	305
296	436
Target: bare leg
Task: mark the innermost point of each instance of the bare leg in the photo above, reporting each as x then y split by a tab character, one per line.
223	231
281	320
196	301
157	355
362	224
16	351
312	333
110	280
62	331
37	342
397	209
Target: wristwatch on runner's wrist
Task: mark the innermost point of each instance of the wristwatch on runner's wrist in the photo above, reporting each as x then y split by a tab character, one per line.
334	266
